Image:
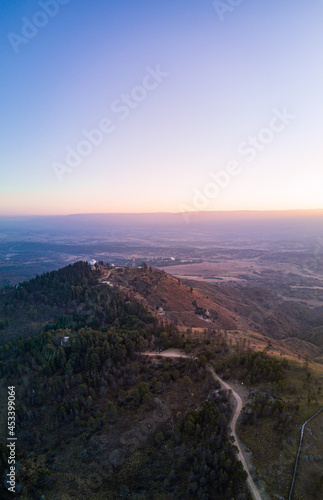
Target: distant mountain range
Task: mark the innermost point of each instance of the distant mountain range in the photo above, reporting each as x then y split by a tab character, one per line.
267	225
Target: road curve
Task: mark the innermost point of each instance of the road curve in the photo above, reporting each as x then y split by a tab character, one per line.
172	353
233	424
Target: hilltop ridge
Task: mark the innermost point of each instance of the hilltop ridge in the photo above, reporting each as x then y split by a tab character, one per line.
192	303
72	343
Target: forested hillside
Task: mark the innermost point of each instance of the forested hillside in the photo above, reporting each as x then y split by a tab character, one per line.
67	298
94	419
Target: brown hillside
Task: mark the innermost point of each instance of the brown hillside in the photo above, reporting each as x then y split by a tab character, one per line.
172	300
200	304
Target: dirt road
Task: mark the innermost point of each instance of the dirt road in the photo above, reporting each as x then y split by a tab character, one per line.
176	353
233	425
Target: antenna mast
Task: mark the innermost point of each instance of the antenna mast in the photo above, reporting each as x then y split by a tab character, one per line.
134	261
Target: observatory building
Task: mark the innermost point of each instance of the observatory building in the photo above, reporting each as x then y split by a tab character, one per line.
92	263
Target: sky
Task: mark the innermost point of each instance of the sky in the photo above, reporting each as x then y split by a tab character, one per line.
160	106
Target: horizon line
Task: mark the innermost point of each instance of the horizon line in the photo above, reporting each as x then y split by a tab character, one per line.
288	210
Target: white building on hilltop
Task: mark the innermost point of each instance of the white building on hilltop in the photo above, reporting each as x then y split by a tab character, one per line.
92	263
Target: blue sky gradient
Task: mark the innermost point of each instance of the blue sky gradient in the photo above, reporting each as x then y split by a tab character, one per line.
225	78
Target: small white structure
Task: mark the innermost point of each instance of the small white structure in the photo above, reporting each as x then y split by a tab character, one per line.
92	263
172	258
108	283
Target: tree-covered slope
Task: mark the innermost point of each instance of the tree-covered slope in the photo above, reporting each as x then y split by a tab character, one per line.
94	418
67	298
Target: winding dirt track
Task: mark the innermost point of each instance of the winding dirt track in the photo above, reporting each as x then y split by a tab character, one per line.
172	353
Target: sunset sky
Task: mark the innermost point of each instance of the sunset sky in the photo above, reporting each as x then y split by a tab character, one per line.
200	107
